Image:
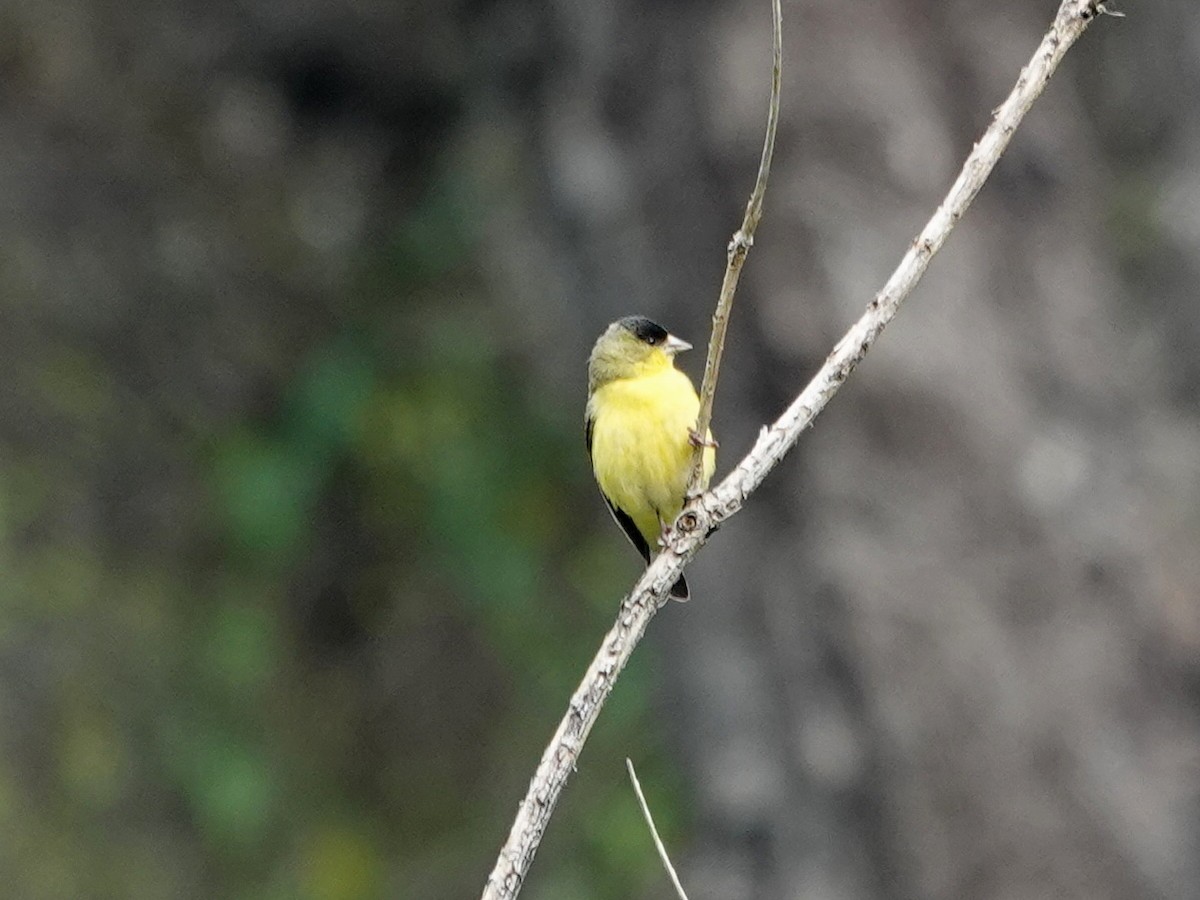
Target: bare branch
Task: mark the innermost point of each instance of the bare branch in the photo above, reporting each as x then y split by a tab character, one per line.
662	851
739	247
700	517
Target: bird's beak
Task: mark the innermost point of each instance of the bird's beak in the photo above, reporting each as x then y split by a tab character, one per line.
675	345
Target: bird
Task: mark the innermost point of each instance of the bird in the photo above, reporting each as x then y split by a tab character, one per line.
640	431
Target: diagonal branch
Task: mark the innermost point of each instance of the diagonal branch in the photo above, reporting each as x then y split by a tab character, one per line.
698	520
739	247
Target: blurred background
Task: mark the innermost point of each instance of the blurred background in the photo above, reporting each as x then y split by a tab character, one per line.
301	554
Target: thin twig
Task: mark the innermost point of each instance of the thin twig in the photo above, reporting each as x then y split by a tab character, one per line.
662	850
739	247
701	517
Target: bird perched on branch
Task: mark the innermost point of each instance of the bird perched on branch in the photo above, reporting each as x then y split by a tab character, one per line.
640	428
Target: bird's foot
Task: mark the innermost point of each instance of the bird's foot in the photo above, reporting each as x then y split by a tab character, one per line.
696	441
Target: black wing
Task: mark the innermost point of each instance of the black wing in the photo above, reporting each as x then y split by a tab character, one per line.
627	526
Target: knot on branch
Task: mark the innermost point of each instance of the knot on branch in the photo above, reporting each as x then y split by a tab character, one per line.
1094	8
739	245
694	519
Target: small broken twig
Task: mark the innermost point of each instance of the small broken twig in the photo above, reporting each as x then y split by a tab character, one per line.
662	850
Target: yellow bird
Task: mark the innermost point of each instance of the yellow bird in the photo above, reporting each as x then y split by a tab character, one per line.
640	428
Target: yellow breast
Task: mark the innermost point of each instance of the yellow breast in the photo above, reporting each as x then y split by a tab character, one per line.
641	454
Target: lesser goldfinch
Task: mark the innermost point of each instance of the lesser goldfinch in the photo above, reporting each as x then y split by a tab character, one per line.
640	429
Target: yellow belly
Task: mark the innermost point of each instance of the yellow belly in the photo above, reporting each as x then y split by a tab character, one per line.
641	454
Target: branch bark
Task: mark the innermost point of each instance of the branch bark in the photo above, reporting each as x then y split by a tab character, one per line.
706	512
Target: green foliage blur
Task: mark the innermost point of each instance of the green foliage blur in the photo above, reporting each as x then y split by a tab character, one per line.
322	657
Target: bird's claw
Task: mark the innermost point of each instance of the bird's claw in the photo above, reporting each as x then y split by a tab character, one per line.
696	441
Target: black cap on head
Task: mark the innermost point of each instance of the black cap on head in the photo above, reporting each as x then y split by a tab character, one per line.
645	329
